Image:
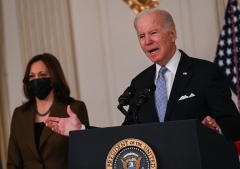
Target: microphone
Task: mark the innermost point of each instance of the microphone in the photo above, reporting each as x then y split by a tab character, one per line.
144	96
126	96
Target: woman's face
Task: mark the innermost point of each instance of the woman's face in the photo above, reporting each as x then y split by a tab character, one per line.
38	70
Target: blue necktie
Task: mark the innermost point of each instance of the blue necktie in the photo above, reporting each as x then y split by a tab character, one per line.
161	94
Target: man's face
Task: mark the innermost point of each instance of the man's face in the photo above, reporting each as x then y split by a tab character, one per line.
156	42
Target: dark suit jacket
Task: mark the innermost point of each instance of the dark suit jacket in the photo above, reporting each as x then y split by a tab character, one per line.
212	96
53	148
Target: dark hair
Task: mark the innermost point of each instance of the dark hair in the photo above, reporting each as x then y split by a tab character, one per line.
58	81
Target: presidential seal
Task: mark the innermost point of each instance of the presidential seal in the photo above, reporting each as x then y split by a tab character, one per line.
131	153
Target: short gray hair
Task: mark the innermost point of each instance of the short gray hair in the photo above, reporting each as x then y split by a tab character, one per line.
166	16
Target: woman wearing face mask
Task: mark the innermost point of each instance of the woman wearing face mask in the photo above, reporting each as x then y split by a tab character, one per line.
31	144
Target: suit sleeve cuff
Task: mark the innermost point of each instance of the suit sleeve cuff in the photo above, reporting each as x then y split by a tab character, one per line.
83	127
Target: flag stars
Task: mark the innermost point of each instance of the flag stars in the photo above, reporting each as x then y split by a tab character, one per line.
234	80
234	70
228	61
234	8
235	19
228	72
229	45
236	39
229	51
236	29
220	63
229	20
229	31
229	41
221	53
221	43
223	33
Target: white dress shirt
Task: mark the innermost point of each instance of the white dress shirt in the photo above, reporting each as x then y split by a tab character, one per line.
171	72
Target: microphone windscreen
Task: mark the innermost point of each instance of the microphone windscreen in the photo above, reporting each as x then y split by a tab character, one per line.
130	90
144	96
127	95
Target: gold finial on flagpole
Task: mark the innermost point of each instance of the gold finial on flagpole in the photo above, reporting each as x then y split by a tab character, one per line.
139	5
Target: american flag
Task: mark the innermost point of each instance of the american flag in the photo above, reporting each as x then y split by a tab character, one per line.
227	54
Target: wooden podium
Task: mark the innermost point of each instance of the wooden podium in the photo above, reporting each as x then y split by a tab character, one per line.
186	144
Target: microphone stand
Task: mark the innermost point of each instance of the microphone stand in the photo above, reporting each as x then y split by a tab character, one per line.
135	108
120	107
143	97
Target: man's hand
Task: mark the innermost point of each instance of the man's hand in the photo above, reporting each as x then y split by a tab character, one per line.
210	122
64	125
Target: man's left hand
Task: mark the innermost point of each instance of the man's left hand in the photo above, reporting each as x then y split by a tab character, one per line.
210	122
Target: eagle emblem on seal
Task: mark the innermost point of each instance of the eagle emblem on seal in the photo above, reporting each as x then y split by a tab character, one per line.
131	161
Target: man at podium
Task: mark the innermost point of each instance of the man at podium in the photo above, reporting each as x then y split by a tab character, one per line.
186	87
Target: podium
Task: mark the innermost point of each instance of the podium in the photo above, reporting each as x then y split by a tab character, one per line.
185	144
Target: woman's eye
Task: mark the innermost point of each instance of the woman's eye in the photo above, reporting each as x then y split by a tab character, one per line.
31	76
42	75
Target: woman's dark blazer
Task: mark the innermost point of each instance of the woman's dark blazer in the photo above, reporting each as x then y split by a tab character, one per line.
53	148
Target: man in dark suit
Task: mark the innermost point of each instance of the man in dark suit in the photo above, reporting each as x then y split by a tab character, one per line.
195	89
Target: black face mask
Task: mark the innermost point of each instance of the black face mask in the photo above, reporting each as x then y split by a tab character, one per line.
40	87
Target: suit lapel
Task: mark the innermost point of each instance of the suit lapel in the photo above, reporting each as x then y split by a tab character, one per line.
57	110
27	125
182	77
